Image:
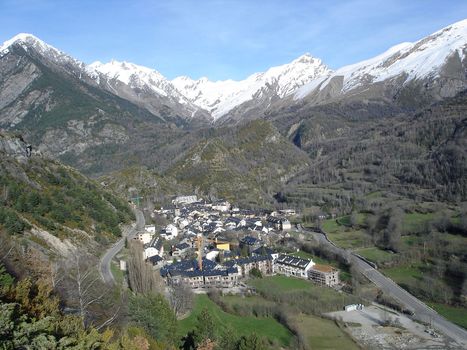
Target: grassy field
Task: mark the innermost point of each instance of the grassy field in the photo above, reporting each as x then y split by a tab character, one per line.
404	274
319	333
249	300
340	232
349	238
116	272
280	283
276	286
413	222
410	276
266	327
331	226
323	334
458	315
373	195
376	255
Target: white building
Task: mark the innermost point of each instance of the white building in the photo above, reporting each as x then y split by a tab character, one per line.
182	223
286	225
292	266
221	206
144	237
185	200
155	247
150	228
171	231
288	212
212	255
354	307
279	223
218	230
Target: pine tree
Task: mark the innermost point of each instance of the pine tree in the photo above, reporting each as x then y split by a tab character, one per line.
153	313
205	328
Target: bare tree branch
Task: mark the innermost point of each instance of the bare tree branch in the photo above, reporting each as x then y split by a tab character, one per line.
113	317
87	289
7	253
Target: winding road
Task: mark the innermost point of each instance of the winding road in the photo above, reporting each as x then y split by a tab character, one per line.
422	312
104	264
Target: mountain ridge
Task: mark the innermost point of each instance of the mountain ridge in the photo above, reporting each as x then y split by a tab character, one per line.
102	120
430	61
421	59
220	97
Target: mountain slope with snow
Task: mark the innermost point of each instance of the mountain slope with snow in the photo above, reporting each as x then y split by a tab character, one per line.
220	97
143	86
440	55
27	41
410	73
140	85
50	99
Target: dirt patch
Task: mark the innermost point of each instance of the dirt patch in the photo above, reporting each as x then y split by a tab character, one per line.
377	327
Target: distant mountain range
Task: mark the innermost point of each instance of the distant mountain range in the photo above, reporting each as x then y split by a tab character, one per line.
435	64
104	117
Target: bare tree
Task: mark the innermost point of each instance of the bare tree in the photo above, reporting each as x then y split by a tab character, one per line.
6	248
353	219
86	288
181	299
142	277
392	234
57	273
93	299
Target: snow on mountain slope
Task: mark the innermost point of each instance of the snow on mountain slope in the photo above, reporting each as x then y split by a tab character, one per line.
305	76
220	97
136	77
30	41
419	60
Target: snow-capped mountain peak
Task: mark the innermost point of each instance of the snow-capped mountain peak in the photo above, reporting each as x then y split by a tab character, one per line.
131	74
219	97
136	76
29	41
305	58
144	86
25	39
413	61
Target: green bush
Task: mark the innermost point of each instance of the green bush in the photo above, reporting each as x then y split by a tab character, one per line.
154	315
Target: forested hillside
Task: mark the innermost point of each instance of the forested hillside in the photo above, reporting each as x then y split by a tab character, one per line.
50	210
246	163
421	157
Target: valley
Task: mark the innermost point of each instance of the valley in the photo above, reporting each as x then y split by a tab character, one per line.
157	213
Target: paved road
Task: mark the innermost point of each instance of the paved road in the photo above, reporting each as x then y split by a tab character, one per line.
422	312
104	264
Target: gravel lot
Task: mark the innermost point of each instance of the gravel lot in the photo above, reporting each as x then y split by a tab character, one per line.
377	327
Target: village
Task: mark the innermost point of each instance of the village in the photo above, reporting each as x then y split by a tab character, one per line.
214	245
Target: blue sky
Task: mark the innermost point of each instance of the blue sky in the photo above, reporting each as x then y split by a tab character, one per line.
224	39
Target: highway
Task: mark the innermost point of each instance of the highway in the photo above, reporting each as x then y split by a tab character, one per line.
422	312
104	264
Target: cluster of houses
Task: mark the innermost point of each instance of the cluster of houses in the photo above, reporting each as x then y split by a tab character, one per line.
191	216
211	244
231	272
